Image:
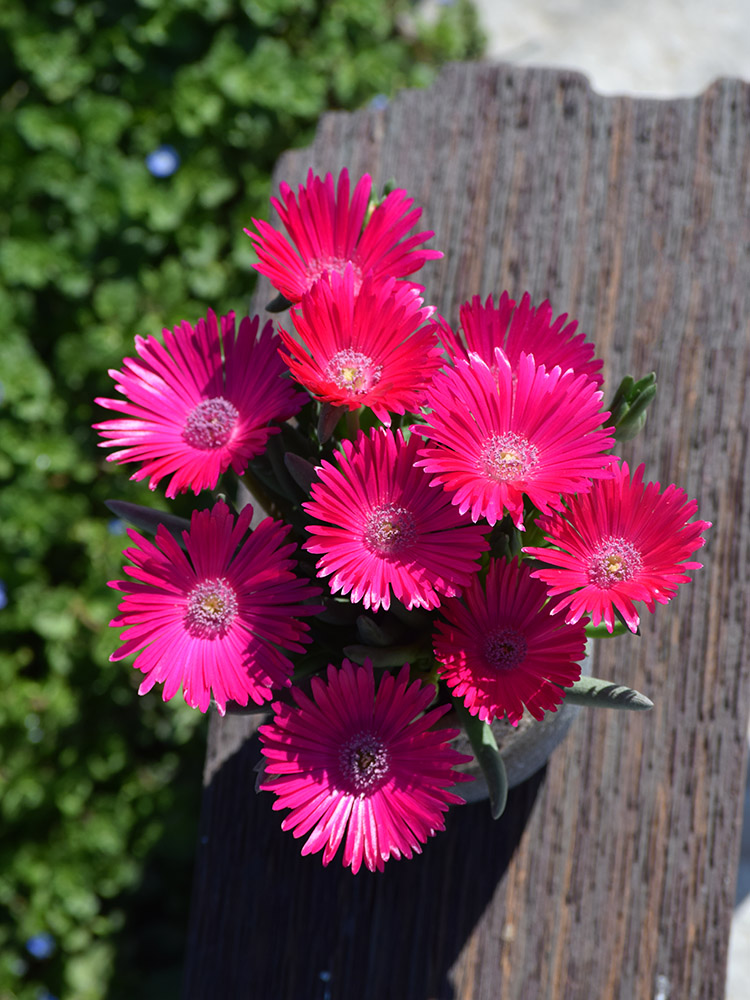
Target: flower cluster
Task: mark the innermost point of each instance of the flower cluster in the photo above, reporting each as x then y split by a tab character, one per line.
441	508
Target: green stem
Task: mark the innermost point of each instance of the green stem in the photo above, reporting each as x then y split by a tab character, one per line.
352	423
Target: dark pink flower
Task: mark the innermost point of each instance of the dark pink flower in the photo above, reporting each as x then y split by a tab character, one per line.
623	542
366	349
215	617
191	415
497	436
521	329
500	649
361	767
327	232
383	529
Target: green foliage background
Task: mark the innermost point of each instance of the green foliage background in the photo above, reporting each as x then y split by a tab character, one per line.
100	790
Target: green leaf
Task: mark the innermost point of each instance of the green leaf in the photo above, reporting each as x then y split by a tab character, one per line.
148	519
103	119
600	631
375	633
329	417
385	656
47	128
95	251
596	693
629	404
488	757
301	471
279	304
27	262
117	300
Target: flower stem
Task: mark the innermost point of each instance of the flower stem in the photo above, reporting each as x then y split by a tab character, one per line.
352	423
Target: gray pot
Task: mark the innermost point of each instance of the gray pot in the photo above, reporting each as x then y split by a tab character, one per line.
525	748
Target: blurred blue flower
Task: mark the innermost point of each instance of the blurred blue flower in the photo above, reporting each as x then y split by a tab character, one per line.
163	161
40	945
379	102
116	526
3	595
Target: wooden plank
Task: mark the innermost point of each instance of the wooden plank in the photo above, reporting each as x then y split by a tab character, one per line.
612	874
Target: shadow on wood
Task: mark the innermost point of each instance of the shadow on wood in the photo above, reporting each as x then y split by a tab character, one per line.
344	924
616	879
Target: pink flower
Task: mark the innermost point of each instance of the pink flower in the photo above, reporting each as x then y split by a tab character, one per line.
622	542
384	529
192	416
366	349
216	616
361	767
500	650
497	436
326	233
522	329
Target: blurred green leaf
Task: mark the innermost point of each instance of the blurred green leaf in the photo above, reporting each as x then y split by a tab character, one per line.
99	788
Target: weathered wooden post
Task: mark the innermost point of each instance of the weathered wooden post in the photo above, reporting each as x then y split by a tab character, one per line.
612	874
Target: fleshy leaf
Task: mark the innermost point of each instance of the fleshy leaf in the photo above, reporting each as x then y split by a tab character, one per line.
148	519
385	656
376	633
629	404
600	631
488	757
301	471
329	417
279	304
596	693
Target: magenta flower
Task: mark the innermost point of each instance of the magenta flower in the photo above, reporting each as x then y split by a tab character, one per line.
190	415
500	649
215	617
361	767
327	232
367	349
521	329
384	529
622	542
497	436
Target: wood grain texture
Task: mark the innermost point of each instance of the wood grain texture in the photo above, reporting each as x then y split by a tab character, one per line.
612	874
